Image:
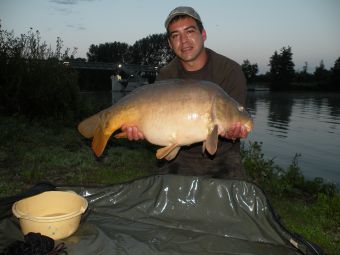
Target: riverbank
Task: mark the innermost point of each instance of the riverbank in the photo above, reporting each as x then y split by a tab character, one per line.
36	151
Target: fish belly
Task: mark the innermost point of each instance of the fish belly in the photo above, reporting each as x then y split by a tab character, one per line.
170	126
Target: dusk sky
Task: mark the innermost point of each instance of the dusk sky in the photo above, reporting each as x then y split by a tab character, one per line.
238	29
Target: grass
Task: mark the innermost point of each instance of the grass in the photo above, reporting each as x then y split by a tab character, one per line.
310	208
32	153
317	221
35	151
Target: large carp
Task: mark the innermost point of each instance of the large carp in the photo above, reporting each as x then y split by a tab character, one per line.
170	113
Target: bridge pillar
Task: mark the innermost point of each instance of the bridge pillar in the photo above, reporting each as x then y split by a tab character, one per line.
115	84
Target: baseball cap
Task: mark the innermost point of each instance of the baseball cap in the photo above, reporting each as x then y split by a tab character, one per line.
181	10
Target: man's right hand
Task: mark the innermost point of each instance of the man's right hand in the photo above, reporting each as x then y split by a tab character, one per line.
235	131
132	133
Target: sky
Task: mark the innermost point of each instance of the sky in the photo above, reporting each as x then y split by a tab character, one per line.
238	29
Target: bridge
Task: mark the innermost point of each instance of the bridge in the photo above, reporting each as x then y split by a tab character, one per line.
123	74
130	69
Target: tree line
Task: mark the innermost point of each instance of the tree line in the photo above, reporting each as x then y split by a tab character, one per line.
154	50
282	74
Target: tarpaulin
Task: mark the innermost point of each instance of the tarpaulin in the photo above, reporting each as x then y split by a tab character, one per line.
171	214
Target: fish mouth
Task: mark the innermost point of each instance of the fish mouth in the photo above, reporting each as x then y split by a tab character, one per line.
249	125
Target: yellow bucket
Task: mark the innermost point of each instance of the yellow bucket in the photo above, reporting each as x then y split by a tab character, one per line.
52	213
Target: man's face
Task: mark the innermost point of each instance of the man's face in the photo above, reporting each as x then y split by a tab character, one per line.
186	40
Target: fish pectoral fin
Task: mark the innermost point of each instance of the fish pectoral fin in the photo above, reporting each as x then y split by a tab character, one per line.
121	135
212	141
203	147
99	141
173	153
168	152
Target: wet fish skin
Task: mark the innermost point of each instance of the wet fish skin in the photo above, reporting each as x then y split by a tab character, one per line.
170	113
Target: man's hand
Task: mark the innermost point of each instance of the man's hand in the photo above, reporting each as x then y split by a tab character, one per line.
236	131
132	133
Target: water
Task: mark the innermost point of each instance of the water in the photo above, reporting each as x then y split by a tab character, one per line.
307	123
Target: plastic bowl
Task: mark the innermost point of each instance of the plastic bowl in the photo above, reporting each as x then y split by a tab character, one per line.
52	213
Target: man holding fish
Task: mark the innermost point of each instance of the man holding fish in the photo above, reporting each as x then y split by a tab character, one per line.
186	37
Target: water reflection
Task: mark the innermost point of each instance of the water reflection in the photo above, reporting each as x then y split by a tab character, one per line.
280	107
305	123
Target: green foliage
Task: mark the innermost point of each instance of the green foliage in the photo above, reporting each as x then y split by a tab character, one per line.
260	170
304	76
152	50
33	80
279	182
335	76
282	68
249	70
108	52
310	208
321	75
318	221
32	152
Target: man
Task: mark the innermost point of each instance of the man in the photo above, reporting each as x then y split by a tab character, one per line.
186	37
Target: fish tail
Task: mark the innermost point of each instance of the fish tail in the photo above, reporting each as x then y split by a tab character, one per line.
88	126
95	126
103	124
99	141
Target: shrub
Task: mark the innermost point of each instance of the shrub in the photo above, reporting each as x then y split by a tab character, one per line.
279	182
34	82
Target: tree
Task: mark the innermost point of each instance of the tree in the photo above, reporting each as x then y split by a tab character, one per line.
321	75
108	52
303	76
152	50
335	73
281	68
305	68
33	80
249	70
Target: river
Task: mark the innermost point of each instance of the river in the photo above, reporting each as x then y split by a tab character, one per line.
307	123
289	123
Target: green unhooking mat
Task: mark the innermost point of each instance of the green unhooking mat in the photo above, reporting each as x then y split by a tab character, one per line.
170	214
